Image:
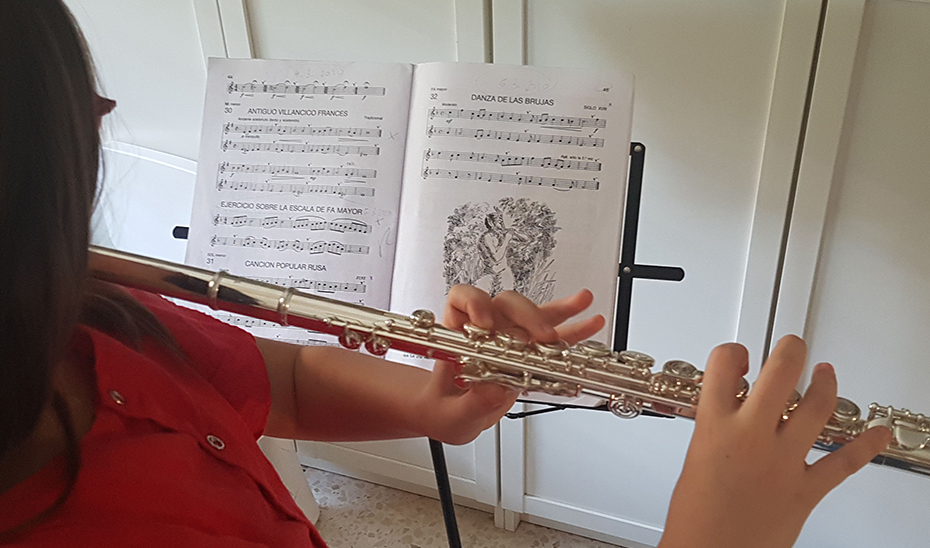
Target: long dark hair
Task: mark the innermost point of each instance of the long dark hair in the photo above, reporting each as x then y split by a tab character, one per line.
49	148
49	151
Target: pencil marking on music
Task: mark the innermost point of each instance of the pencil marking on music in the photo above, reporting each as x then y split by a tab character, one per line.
284	88
310	222
310	246
341	150
523	118
490	177
306	171
310	131
507	160
515	136
297	189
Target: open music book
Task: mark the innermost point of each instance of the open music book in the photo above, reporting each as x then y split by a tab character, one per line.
386	184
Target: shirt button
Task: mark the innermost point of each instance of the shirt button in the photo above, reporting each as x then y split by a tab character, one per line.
117	397
216	442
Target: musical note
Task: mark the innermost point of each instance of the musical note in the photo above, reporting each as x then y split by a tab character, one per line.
341	150
311	222
515	136
271	169
249	129
312	247
511	161
297	189
307	89
561	184
540	119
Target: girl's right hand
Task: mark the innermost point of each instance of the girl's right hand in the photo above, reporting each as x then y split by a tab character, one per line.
745	480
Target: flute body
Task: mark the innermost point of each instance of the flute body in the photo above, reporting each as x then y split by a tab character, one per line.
625	379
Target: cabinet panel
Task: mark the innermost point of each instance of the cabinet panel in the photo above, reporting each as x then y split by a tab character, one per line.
149	58
704	76
397	31
856	278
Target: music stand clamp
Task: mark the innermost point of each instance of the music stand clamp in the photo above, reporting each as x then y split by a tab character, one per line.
629	270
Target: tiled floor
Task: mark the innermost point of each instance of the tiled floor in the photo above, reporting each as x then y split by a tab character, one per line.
356	514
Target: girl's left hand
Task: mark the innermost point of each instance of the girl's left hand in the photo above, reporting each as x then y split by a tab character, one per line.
456	414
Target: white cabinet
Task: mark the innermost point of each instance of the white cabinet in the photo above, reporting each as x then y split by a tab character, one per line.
856	281
786	172
704	84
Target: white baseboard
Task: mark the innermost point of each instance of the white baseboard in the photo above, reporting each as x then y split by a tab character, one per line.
391	473
590	524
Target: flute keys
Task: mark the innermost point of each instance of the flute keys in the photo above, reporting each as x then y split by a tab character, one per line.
475	333
682	370
792	404
743	390
625	406
846	412
351	339
552	350
636	360
424	319
594	349
509	342
377	346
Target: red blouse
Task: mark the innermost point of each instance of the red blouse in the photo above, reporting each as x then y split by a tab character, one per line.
171	459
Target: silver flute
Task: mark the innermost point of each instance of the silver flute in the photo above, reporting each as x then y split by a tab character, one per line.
624	379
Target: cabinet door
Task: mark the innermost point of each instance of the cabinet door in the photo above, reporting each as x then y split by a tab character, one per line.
855	280
149	57
704	76
406	31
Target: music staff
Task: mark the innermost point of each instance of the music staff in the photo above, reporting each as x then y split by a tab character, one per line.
311	131
312	247
306	223
306	89
306	342
319	286
341	150
243	321
515	136
507	160
297	189
540	119
488	177
271	169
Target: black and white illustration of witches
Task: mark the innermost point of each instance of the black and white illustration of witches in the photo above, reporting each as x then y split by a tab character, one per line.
502	246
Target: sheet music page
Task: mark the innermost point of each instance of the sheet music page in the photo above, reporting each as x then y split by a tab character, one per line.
515	178
299	177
